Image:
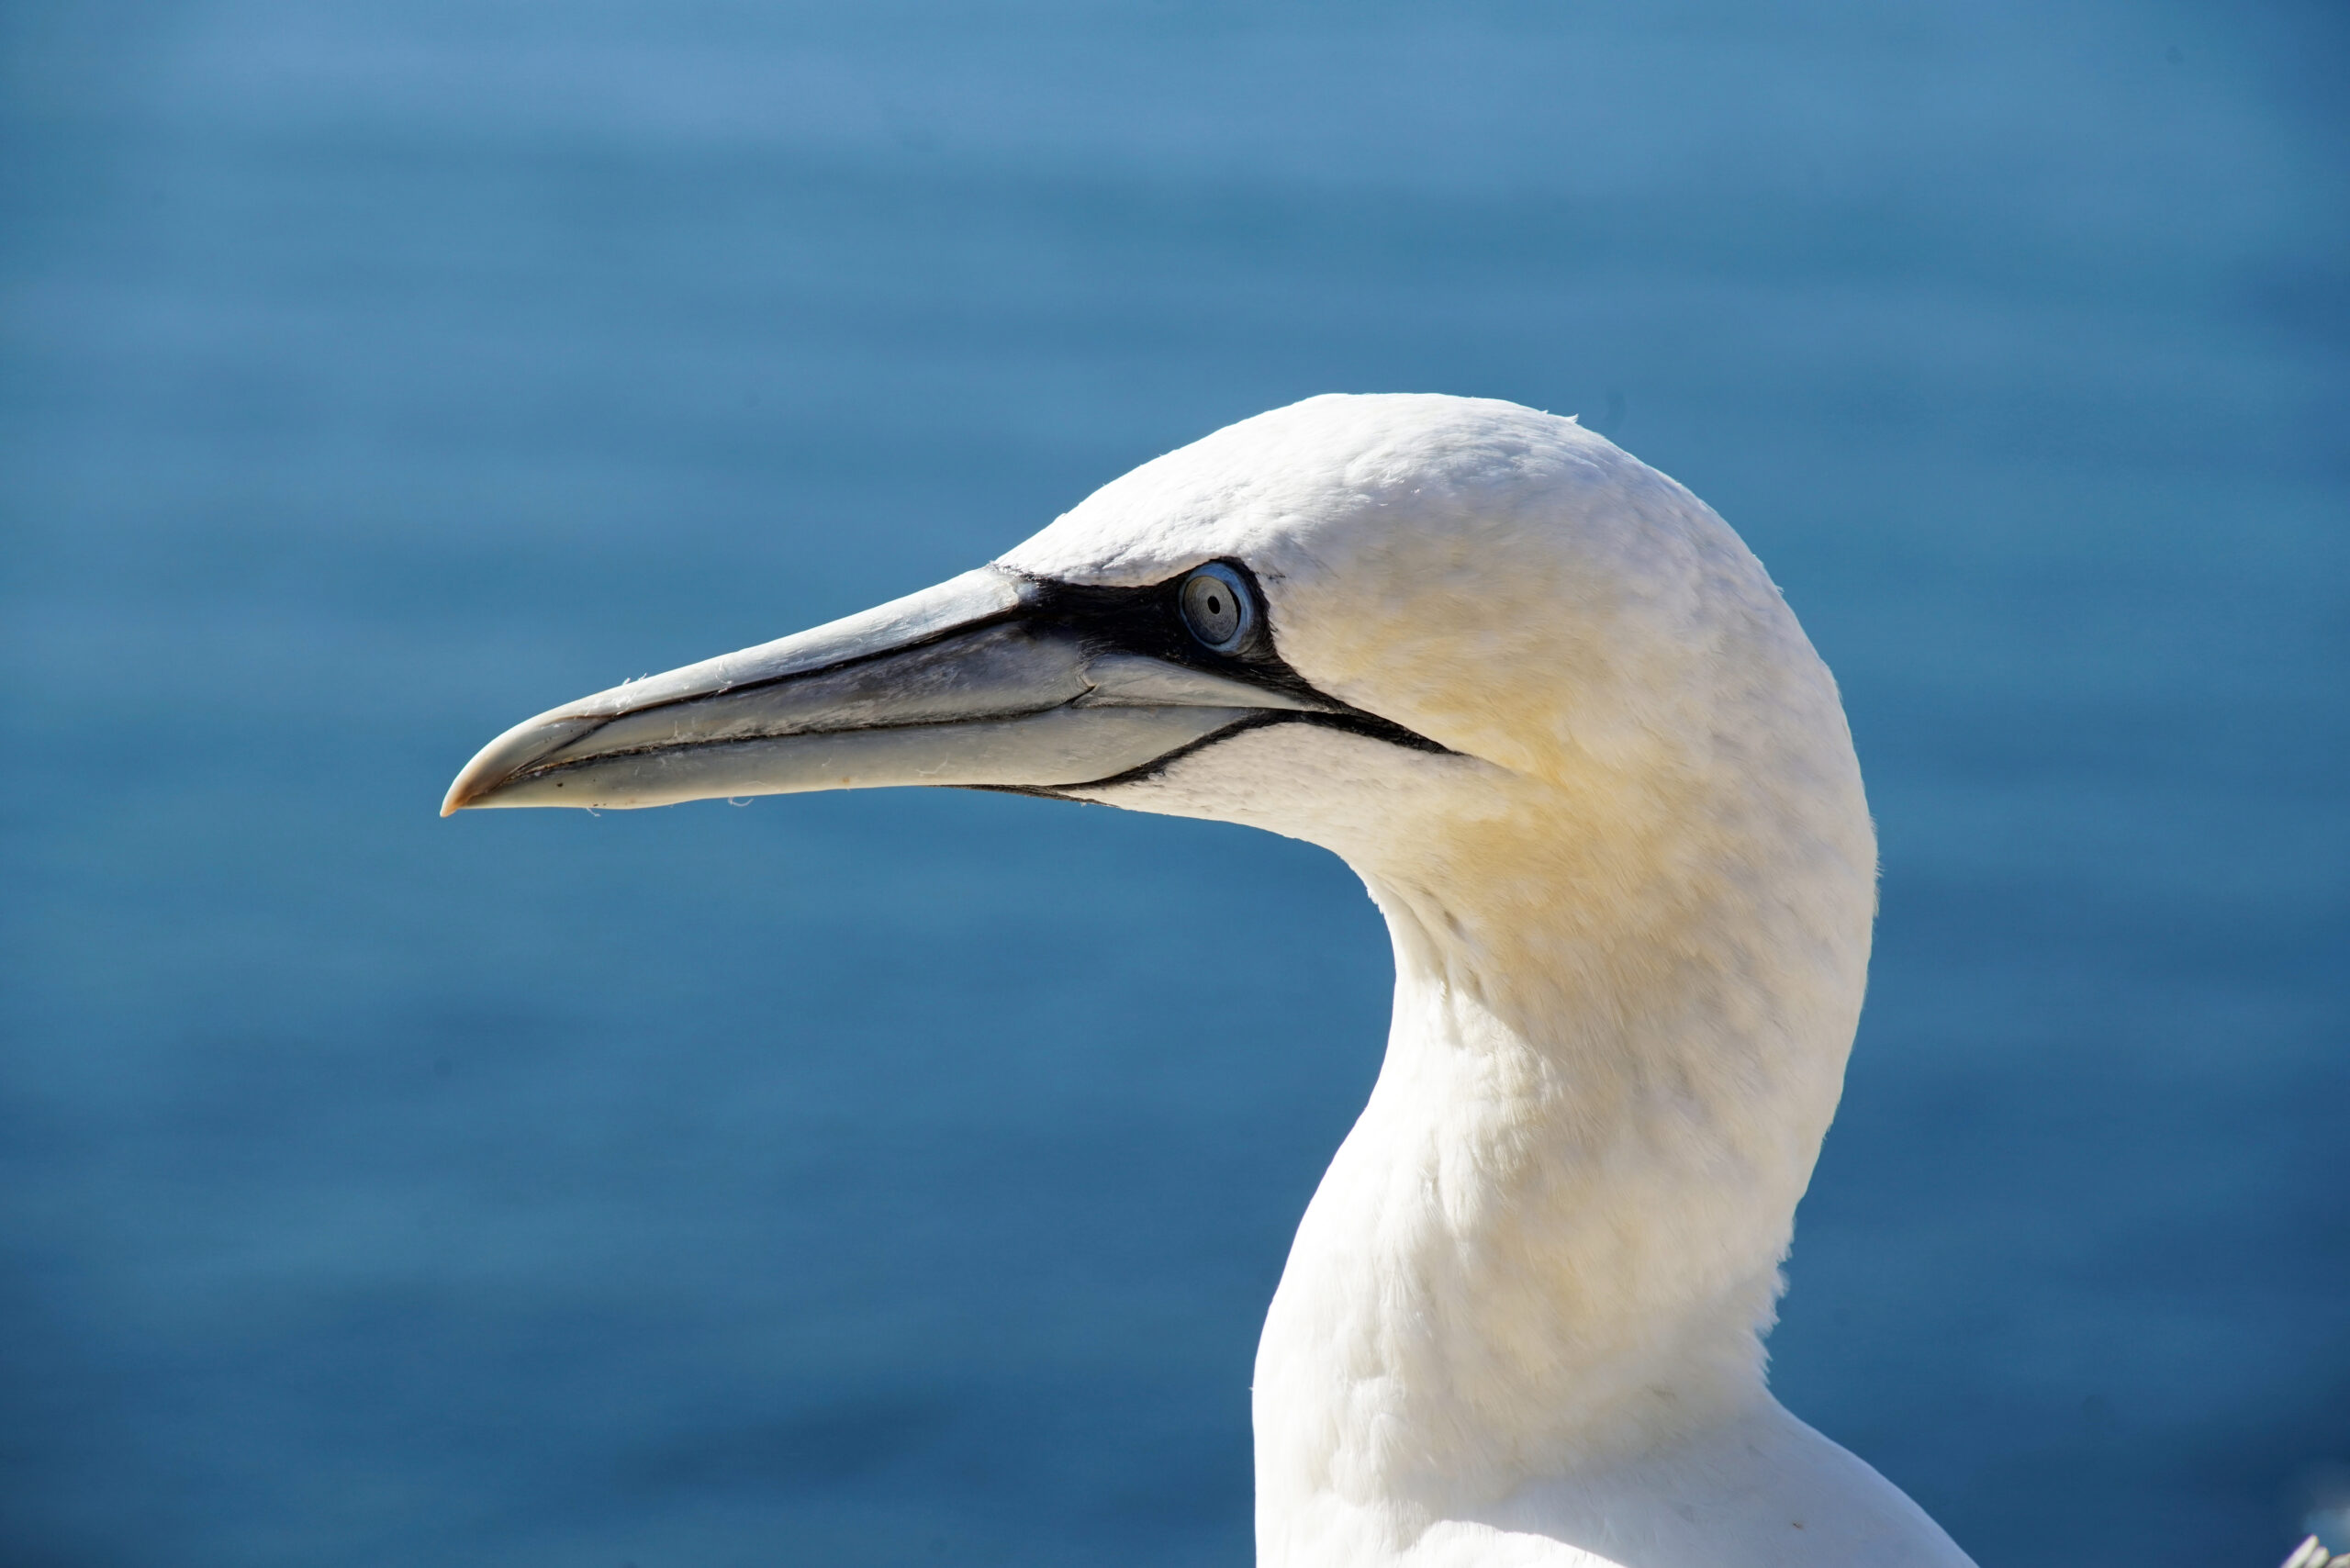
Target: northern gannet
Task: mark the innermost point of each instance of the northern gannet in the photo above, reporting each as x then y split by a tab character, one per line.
1551	709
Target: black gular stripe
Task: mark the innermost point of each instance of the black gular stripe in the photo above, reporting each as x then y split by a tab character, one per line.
1148	620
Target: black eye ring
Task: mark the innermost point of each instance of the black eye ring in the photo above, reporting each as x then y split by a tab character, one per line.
1217	607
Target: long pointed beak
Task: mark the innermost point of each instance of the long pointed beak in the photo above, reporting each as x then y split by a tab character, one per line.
979	681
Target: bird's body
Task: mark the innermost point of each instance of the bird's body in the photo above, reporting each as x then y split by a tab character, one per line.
1554	713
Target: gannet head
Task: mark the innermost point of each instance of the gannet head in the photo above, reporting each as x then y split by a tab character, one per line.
1368	622
1555	713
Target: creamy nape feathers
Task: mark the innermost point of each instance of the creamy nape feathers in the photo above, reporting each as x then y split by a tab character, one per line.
1554	713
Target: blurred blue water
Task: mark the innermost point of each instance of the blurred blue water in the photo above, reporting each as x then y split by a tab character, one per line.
849	1180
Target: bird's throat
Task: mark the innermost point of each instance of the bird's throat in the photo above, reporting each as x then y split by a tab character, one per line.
1552	1239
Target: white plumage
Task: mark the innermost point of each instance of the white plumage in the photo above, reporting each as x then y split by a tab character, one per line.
1553	713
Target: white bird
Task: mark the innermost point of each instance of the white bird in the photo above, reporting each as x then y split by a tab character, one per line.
1553	713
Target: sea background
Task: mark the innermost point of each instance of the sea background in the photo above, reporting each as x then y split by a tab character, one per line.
900	1177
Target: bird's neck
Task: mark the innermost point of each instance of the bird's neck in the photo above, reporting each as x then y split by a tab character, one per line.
1552	1239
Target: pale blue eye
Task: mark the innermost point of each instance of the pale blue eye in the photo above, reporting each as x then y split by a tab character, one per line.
1217	607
